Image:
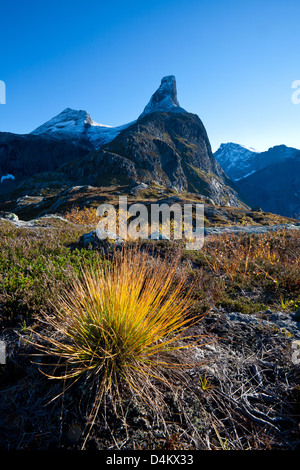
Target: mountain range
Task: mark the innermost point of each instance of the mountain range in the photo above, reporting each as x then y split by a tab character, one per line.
269	179
165	146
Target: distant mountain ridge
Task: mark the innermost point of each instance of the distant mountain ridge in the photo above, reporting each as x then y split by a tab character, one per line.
236	160
269	179
239	161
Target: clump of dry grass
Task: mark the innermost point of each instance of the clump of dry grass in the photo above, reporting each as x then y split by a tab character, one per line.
82	216
124	323
266	263
251	256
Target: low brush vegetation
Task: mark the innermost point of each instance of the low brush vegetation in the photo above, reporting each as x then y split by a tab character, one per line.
251	272
246	273
35	265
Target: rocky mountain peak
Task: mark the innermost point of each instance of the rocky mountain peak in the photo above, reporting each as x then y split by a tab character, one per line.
164	99
68	121
78	125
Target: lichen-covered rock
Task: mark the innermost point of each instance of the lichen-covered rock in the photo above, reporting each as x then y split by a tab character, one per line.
100	240
9	216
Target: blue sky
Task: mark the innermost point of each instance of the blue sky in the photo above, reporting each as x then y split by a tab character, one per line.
234	63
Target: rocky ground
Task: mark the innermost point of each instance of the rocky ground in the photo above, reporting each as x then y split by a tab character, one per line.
242	393
208	231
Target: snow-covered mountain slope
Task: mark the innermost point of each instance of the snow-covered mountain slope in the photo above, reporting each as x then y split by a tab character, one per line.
240	162
267	179
236	160
78	125
164	99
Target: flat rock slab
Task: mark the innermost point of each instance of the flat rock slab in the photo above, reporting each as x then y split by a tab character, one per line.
250	229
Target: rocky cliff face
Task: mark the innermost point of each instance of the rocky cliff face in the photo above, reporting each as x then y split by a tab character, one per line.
171	149
22	156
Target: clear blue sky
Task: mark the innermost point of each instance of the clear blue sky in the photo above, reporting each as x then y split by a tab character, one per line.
234	62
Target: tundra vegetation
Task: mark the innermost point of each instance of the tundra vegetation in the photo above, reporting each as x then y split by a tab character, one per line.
132	349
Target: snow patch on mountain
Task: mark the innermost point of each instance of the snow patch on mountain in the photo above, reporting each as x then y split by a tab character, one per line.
78	125
69	121
245	176
239	161
7	177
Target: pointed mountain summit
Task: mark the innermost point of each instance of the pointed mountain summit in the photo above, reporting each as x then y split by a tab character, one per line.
164	99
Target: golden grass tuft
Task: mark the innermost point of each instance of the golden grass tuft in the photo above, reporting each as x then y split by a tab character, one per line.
124	323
